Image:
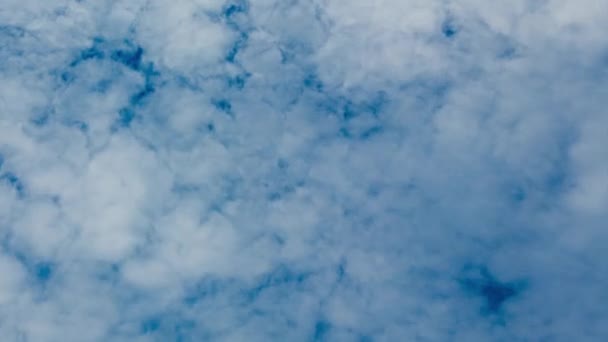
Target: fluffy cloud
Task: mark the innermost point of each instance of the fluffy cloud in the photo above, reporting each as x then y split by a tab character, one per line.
305	170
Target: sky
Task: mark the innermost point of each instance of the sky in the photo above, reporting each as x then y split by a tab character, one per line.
303	170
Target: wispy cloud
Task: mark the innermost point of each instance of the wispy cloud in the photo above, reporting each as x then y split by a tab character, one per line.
320	170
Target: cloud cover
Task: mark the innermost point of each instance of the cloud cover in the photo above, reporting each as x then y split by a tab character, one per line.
321	170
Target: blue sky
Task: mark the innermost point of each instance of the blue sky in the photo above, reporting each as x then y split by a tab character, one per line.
322	170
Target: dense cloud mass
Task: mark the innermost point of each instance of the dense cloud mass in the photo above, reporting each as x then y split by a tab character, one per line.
303	170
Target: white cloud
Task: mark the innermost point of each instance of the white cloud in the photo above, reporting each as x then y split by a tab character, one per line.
322	170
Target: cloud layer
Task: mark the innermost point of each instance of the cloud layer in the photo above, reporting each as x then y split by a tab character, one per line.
321	170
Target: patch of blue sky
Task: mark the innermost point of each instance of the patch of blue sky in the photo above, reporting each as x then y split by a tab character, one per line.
13	181
478	281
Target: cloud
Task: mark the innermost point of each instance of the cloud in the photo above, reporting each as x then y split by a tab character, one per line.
324	170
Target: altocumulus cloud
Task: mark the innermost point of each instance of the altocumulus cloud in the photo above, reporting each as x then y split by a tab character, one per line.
319	170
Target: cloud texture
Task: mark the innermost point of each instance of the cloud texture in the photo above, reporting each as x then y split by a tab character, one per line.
321	170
